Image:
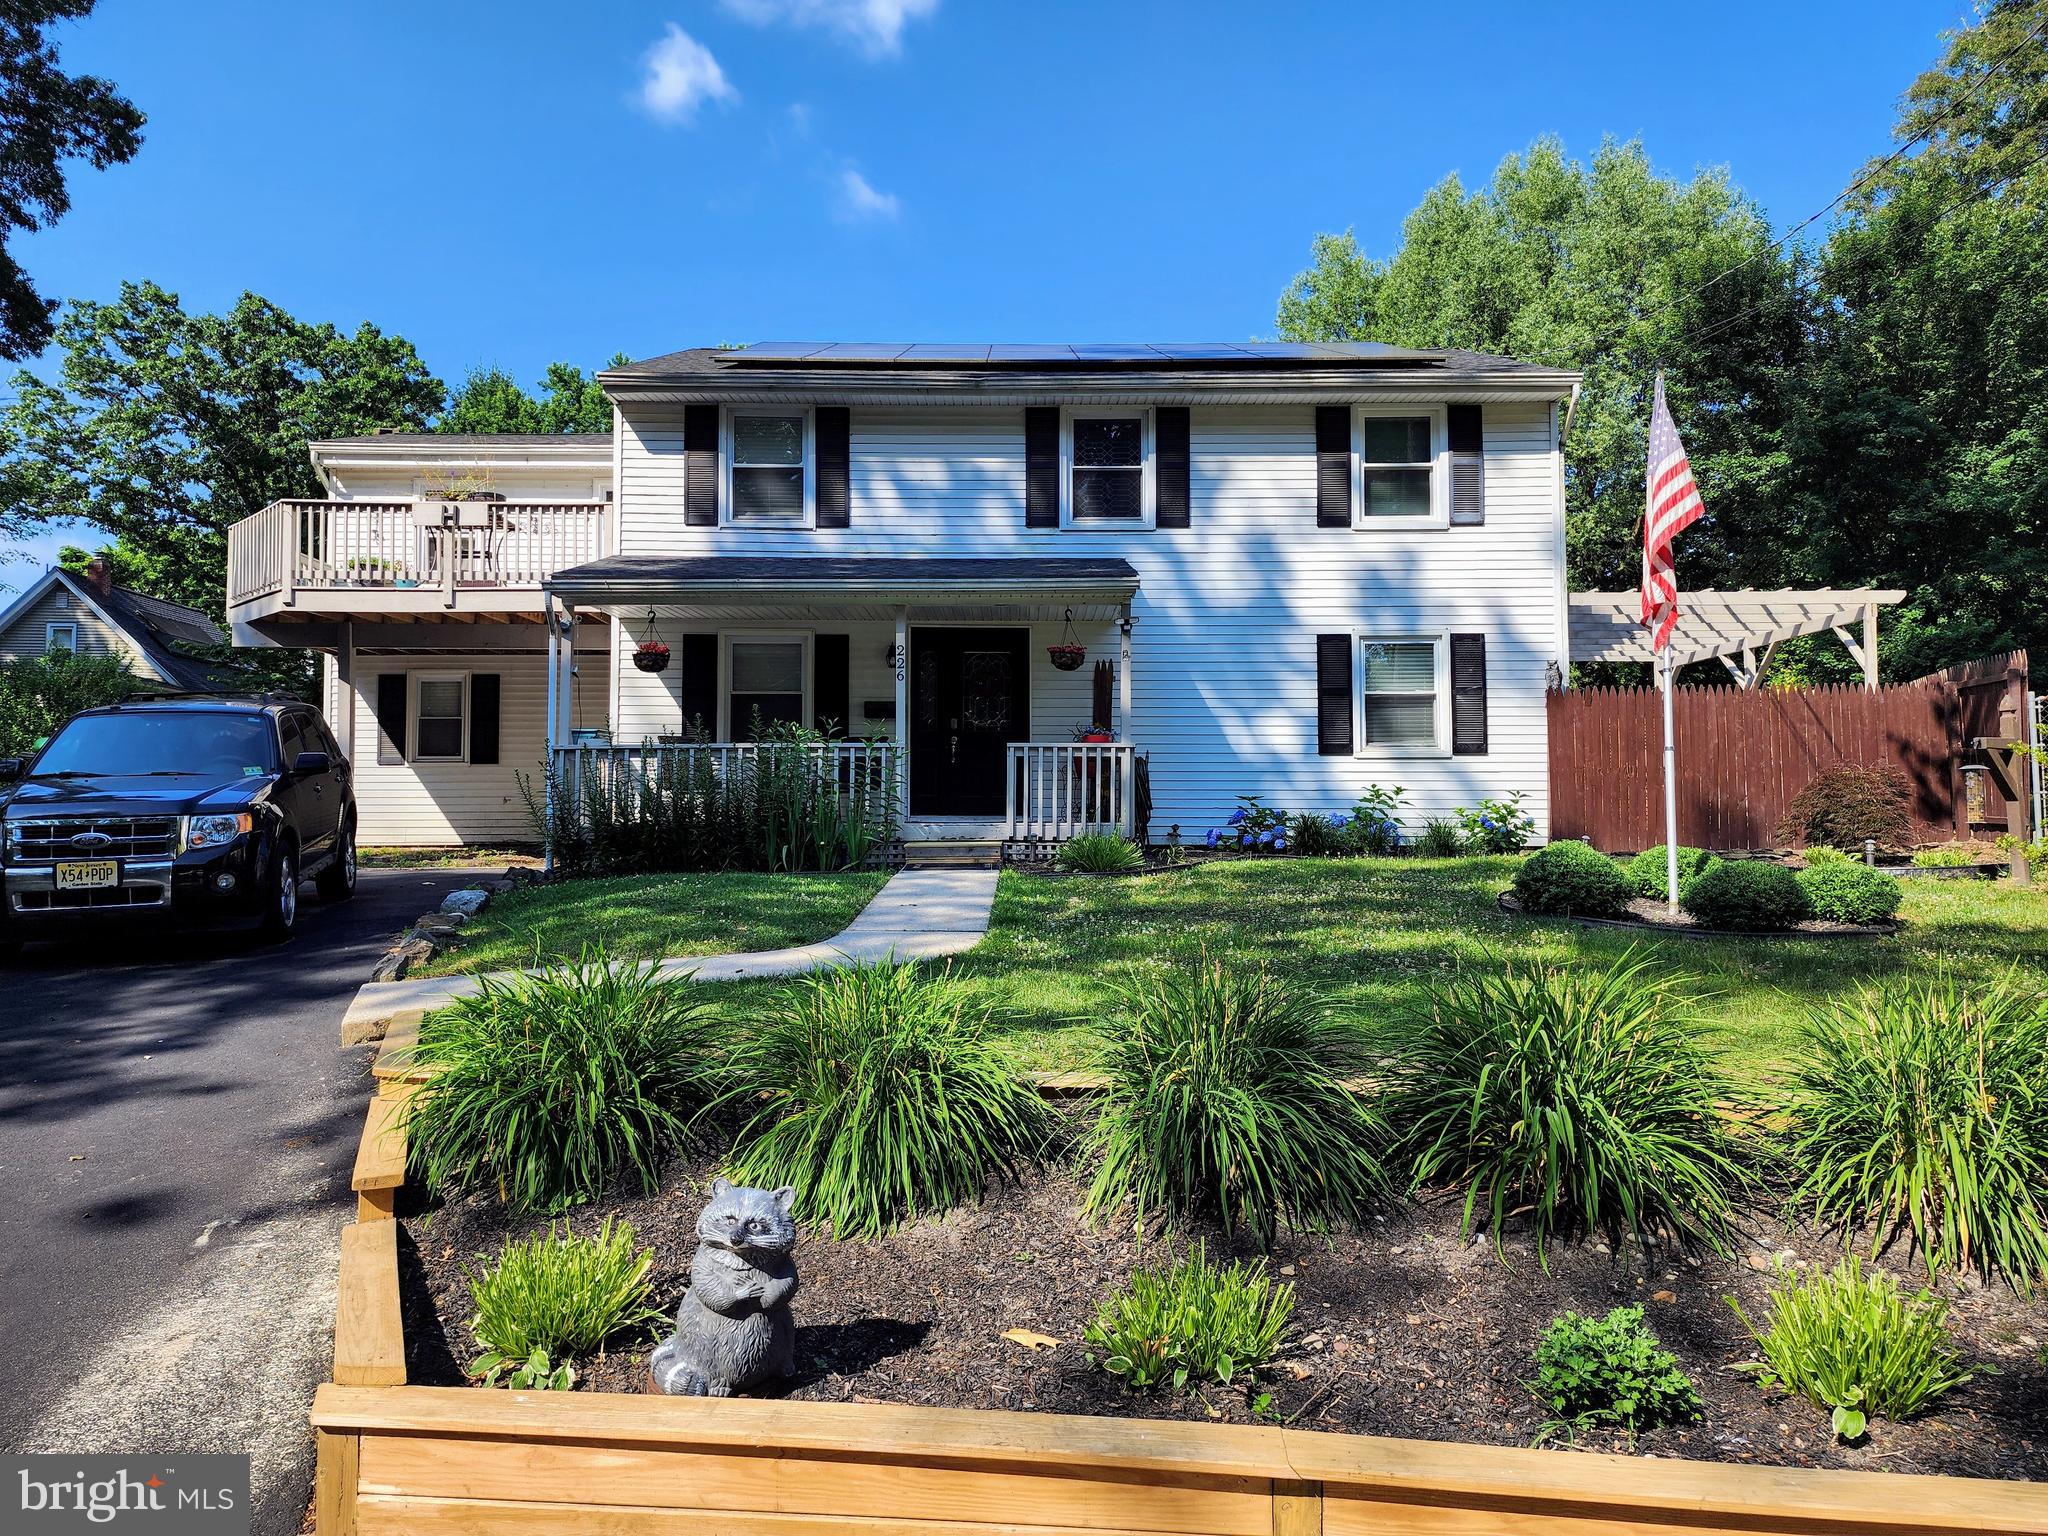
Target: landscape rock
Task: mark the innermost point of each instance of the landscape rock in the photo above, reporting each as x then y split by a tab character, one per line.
440	923
395	962
466	903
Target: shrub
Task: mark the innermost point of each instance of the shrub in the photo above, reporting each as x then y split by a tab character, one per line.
1744	896
1571	879
1254	828
1099	853
1441	838
39	693
553	1087
1374	826
1926	1108
1854	1345
1849	892
1579	1094
1842	806
1226	1094
1646	871
1497	826
554	1297
874	1091
1610	1371
1192	1322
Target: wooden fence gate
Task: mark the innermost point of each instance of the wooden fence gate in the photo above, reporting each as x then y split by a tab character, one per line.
1743	755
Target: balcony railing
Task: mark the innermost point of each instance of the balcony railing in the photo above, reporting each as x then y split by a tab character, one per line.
1059	790
863	768
449	547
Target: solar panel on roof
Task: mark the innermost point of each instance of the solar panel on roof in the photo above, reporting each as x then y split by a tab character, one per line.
1200	351
861	352
1030	352
783	351
946	352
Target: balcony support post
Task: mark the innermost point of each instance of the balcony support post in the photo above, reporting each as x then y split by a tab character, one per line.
345	689
903	714
1129	766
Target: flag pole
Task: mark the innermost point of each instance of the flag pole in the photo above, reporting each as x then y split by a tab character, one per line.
1670	796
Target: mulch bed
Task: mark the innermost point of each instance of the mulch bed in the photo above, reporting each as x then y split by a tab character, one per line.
1402	1329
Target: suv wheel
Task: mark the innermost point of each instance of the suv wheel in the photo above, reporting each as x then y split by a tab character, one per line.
281	910
337	881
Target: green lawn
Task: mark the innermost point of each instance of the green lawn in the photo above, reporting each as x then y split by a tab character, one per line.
645	917
1370	931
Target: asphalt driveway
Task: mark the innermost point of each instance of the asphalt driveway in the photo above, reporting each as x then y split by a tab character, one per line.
176	1132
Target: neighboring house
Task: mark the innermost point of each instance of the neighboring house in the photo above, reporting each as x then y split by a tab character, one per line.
84	612
1295	571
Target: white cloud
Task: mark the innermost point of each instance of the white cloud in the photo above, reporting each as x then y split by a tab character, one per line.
860	202
682	74
875	26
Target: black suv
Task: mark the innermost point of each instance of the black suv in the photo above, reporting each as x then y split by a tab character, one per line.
200	810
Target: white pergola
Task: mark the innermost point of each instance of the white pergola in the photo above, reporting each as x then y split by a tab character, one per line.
1739	629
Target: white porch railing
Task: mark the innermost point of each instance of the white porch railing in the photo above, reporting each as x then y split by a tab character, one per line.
322	545
858	767
1058	790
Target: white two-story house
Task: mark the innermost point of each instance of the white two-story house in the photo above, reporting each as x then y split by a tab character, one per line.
1288	570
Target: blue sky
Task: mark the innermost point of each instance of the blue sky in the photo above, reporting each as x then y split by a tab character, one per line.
514	182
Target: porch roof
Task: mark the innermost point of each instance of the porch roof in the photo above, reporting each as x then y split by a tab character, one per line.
868	586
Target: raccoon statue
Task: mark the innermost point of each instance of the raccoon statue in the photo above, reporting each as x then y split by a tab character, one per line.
733	1328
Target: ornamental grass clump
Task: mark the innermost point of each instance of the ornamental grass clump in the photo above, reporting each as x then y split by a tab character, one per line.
1854	1345
1226	1096
1580	1096
1099	853
874	1090
554	1087
1190	1323
1571	880
554	1298
1923	1108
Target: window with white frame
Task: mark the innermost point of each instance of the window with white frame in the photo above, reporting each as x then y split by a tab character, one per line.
440	718
1108	459
60	637
768	478
765	677
1403	693
1400	477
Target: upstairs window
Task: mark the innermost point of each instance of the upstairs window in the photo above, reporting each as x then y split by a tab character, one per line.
1402	693
769	480
1399	454
60	637
767	686
1108	462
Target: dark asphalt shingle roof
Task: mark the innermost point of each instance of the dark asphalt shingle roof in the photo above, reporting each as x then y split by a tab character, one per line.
166	633
912	358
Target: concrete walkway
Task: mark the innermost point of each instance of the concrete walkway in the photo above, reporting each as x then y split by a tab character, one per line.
919	915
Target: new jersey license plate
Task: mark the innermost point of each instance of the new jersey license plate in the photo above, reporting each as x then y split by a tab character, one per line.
88	875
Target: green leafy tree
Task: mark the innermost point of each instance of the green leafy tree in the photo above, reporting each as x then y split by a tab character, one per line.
39	693
491	400
1602	267
46	118
163	428
1922	437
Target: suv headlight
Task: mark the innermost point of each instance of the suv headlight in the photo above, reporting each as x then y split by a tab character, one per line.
212	831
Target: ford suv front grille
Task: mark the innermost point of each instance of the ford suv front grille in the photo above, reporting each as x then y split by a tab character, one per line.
91	837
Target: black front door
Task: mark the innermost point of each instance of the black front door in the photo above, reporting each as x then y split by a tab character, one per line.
970	697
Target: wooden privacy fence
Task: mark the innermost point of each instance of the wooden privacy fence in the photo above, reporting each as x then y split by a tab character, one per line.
398	1460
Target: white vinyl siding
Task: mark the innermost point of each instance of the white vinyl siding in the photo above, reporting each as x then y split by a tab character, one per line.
444	804
1229	608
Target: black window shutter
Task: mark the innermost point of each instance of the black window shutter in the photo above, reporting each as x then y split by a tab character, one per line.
832	684
835	466
1042	466
700	466
1468	465
483	717
1468	695
698	688
391	717
1334	736
1333	469
1170	449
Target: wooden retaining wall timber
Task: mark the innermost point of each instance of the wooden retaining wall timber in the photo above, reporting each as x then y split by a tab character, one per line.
397	1460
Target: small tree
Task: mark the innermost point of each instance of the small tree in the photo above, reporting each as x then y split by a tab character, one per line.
39	693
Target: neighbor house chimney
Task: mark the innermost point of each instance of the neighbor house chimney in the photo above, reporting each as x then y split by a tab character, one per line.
99	575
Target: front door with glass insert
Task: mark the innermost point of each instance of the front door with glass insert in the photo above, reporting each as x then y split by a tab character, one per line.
970	697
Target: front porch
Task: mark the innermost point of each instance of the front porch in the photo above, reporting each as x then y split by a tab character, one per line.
933	676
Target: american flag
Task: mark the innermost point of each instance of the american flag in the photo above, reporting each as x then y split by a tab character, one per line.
1672	506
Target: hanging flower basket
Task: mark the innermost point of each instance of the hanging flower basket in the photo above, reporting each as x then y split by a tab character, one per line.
651	656
1067	658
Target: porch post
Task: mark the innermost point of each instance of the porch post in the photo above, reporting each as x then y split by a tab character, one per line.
547	619
1123	706
566	719
345	689
903	714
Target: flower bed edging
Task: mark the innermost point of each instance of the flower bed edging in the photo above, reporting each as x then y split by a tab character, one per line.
396	1458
